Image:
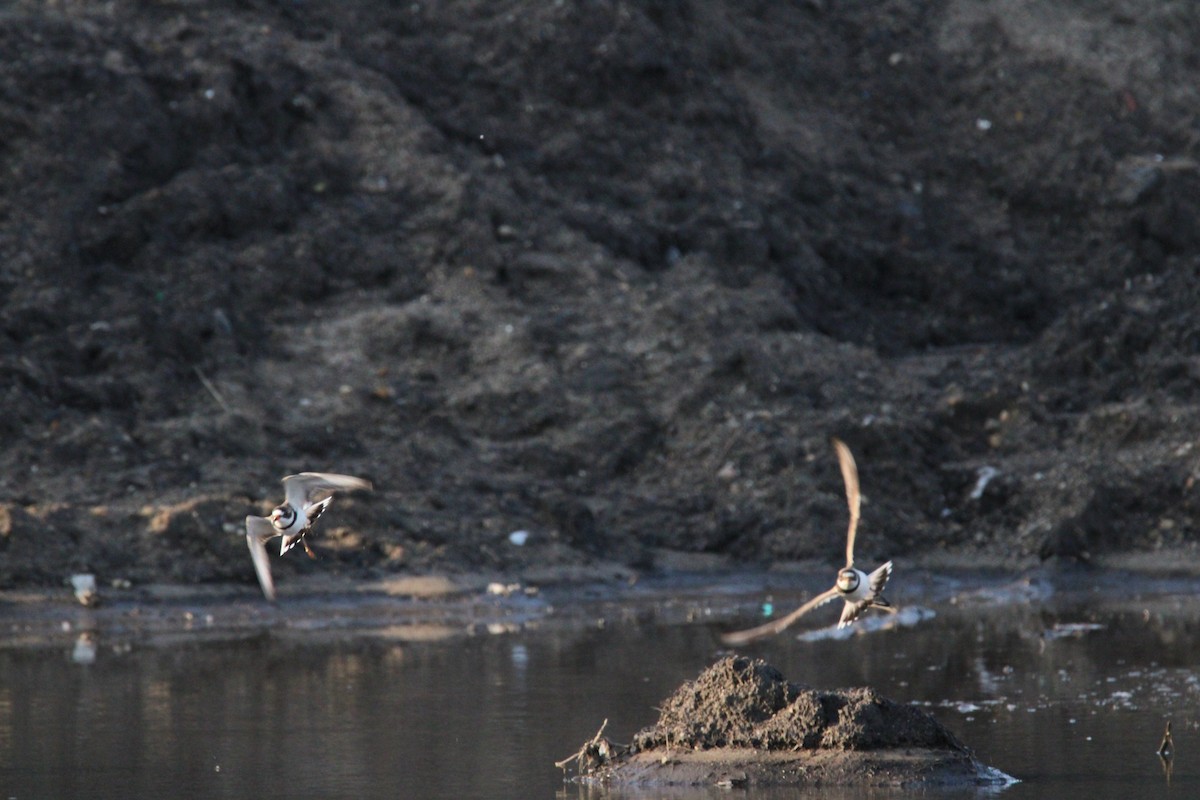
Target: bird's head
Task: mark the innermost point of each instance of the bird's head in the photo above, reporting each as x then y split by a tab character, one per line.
283	516
847	580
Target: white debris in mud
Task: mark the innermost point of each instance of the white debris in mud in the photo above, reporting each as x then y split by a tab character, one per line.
1065	629
1120	699
968	706
905	617
499	589
993	775
518	538
985	475
84	586
1025	590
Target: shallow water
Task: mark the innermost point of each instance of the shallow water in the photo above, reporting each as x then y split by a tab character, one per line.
1067	688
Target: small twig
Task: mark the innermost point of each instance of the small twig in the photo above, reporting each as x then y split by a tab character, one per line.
1167	748
595	740
212	389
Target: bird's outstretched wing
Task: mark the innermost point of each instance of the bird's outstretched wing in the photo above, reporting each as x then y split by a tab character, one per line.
776	626
258	531
300	489
853	499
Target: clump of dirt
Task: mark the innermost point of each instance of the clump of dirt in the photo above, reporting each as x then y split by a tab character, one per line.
725	706
744	702
741	716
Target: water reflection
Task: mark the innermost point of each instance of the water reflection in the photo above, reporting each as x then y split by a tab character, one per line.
1066	694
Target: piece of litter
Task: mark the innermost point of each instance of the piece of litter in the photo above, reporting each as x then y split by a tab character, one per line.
985	475
84	586
519	538
1062	630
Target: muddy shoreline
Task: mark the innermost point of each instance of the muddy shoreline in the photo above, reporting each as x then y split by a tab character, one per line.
422	608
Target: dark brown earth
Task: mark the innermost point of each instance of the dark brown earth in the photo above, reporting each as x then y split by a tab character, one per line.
742	723
611	273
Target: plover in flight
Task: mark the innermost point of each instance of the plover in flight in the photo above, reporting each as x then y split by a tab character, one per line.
294	519
858	589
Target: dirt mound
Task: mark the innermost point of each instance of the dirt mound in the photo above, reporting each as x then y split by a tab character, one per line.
742	702
741	721
610	273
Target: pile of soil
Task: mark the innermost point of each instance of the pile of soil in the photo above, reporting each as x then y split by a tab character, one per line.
611	273
742	722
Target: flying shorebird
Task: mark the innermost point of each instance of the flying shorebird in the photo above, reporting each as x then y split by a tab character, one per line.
858	589
294	519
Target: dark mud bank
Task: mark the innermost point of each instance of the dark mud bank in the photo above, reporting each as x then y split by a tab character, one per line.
607	273
741	723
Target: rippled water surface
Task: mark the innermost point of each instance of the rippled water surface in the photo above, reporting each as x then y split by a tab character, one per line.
1066	688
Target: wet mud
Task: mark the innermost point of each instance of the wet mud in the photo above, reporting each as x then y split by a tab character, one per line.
610	274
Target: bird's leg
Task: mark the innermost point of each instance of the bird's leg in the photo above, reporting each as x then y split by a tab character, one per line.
308	549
